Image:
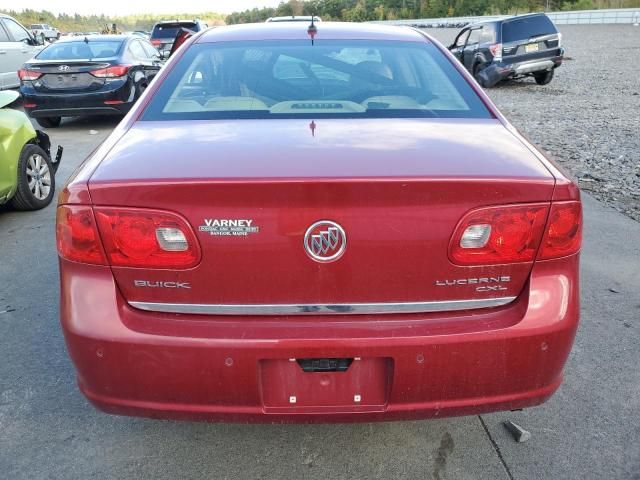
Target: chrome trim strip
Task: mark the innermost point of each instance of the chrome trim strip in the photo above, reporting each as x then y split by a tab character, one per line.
322	309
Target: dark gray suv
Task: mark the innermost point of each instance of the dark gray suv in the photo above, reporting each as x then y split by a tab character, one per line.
524	45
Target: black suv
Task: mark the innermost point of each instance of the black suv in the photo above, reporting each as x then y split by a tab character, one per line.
525	45
164	33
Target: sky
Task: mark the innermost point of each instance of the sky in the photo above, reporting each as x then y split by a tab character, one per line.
126	7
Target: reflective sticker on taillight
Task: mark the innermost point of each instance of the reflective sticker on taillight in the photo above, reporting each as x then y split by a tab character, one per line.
76	235
513	234
146	238
563	235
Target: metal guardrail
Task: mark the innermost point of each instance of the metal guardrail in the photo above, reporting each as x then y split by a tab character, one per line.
576	17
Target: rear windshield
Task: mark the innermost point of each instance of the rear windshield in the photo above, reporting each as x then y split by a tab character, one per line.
526	27
81	50
333	78
170	30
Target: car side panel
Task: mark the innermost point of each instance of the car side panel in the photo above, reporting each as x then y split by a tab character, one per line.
15	131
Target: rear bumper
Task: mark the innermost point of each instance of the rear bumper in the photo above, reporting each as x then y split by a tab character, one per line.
496	72
67	104
222	368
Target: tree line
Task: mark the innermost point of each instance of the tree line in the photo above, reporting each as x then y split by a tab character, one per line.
95	23
369	10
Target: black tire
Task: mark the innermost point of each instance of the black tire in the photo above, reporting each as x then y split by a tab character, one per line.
31	193
49	122
476	70
543	78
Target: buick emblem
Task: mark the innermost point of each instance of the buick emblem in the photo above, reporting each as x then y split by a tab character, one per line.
325	241
63	68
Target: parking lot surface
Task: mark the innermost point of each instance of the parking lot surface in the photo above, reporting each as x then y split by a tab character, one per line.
589	429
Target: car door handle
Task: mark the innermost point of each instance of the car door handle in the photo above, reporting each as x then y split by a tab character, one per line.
2	52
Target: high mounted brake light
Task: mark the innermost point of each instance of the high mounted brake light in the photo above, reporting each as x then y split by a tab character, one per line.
125	237
514	233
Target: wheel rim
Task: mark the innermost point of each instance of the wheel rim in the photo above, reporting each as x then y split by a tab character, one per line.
38	176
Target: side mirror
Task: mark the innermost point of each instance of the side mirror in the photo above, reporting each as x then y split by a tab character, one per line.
37	41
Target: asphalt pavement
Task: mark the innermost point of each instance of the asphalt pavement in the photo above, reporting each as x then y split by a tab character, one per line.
589	429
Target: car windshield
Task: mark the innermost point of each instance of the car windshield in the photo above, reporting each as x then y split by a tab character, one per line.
81	50
170	30
526	27
334	78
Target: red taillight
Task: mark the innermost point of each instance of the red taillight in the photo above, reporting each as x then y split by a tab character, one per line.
28	75
111	72
563	235
496	51
146	238
113	102
496	235
155	42
77	236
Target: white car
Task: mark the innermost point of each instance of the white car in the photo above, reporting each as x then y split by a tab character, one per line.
45	32
17	45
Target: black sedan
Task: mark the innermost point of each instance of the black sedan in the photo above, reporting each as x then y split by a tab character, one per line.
92	75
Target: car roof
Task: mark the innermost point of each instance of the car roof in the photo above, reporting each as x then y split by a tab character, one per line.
173	22
298	31
504	19
94	38
517	17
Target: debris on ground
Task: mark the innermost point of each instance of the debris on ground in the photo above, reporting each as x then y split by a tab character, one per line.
518	433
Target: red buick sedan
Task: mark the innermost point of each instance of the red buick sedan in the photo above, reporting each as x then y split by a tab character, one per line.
317	225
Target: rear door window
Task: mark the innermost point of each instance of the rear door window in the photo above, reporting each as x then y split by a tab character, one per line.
3	35
474	36
462	39
18	33
488	34
137	51
526	27
149	49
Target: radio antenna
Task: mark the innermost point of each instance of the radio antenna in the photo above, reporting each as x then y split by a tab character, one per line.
312	30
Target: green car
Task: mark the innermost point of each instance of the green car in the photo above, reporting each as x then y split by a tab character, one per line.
27	172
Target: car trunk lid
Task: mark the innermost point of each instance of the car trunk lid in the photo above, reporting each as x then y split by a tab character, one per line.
66	76
398	189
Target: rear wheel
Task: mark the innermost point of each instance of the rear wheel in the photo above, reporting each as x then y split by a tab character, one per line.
544	77
36	180
49	122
